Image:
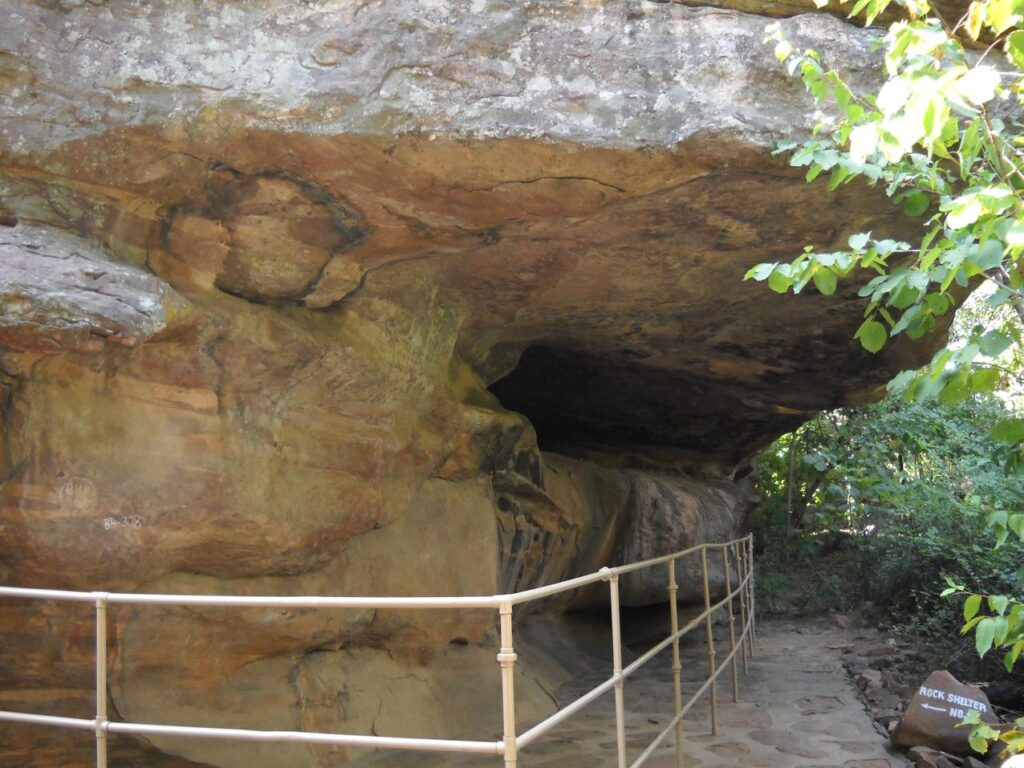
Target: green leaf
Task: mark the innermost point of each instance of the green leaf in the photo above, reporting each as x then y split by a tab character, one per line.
937	303
1009	431
916	204
970	147
975	18
760	272
825	280
994	343
1015	234
1002	627
965	211
998	603
978	742
1014	48
779	282
956	389
838	176
985	380
984	635
1016	524
971	606
872	335
1012	655
1001	15
978	85
858	241
971	624
986	257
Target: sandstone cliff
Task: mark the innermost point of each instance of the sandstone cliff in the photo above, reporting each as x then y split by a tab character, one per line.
358	297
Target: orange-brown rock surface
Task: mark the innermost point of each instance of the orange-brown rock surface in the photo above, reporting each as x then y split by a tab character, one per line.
383	298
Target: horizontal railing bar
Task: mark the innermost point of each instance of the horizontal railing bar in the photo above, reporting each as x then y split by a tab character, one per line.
639	566
48	594
311	601
674	556
58	722
374	742
707	683
564	714
729	656
410	602
690	702
689	627
537	593
655	743
379	742
640	661
253	601
243	601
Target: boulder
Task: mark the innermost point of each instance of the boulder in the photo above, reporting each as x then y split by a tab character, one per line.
933	716
388	298
926	757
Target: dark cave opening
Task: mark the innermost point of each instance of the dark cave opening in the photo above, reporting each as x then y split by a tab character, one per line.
577	399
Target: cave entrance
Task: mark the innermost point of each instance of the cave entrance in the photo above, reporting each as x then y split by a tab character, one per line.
576	398
581	399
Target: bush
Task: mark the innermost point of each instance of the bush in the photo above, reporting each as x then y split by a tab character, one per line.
909	488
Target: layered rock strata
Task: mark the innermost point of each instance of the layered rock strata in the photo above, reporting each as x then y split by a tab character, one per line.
384	298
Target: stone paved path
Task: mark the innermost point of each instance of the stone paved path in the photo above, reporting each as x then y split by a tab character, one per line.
797	708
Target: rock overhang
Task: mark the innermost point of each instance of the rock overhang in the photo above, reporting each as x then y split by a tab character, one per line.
593	192
618	75
369	214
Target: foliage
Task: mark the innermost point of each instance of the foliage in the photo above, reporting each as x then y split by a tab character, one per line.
933	137
911	488
862	469
982	734
790	581
1003	628
940	138
772	585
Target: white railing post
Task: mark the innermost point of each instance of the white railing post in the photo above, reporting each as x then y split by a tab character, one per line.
711	641
101	681
677	667
741	568
620	701
732	626
507	660
751	597
510	744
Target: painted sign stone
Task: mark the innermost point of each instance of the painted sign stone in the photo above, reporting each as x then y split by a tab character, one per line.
937	708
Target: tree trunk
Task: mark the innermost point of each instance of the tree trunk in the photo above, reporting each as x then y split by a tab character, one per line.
789	488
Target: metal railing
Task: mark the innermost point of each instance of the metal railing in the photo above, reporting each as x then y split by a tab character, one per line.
738	553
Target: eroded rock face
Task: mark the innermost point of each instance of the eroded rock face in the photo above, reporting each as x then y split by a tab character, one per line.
60	293
380	298
266	237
